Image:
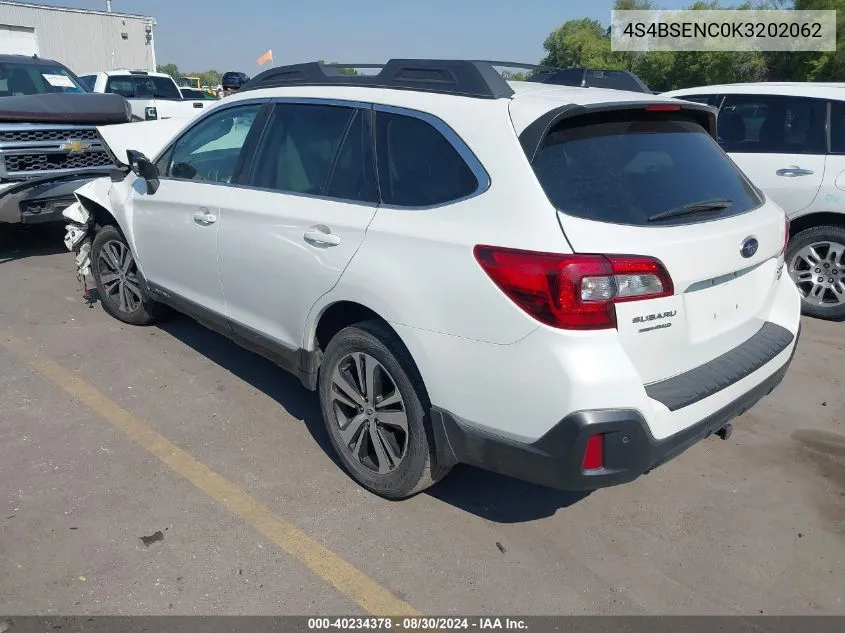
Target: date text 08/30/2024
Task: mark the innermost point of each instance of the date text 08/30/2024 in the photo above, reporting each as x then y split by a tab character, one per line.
417	623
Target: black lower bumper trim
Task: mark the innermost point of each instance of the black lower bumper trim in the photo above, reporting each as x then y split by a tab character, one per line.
699	383
555	459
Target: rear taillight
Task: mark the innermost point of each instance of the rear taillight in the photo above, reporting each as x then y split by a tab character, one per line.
594	453
575	292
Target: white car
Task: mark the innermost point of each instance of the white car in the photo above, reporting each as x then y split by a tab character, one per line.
152	95
789	138
566	285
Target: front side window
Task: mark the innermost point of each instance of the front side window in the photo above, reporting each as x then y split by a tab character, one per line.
767	124
299	147
417	165
210	150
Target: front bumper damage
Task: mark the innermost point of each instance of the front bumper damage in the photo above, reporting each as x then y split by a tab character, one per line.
41	200
78	238
81	222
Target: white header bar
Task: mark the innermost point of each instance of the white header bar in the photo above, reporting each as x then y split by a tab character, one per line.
723	30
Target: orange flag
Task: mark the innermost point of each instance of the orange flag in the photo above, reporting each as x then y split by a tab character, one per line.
266	57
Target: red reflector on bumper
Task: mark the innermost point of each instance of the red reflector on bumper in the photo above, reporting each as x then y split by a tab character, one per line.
594	453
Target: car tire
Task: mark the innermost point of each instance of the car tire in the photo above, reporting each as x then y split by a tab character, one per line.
118	280
828	244
365	421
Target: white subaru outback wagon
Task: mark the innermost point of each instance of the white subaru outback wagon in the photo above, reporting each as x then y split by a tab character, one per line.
566	285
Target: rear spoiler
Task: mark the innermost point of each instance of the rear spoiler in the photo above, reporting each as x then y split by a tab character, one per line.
532	137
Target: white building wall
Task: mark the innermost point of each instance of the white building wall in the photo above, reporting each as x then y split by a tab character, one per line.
84	41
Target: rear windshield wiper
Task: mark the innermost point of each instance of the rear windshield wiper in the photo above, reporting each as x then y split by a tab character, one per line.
704	206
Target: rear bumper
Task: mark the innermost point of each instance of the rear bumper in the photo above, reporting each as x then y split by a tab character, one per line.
555	459
42	200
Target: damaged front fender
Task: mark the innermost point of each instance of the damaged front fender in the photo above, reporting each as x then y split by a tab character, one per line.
79	232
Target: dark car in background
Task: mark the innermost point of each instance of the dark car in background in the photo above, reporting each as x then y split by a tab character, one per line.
232	82
49	145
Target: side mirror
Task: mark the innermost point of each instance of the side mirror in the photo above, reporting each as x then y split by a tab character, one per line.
142	167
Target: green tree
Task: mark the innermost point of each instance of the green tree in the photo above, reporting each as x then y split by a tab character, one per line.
209	77
586	43
582	42
171	70
809	66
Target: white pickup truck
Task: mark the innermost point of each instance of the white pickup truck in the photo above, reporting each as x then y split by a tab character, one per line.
152	95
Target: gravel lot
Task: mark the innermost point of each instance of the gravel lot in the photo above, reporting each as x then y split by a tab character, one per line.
755	524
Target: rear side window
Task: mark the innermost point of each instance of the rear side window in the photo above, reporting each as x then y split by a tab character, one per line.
766	124
837	127
353	177
299	146
122	86
628	168
417	165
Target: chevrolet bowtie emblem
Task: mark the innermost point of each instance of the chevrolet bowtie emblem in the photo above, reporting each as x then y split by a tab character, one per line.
76	146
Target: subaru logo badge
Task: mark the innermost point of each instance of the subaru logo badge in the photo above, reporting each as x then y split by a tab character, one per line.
749	247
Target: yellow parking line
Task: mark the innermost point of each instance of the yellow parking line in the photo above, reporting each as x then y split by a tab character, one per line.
370	596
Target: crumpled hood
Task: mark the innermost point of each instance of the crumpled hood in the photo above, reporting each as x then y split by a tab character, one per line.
91	108
147	137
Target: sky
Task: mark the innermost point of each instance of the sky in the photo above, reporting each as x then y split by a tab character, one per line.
226	35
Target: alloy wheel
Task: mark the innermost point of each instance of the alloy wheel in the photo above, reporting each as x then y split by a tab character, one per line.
370	413
818	270
119	276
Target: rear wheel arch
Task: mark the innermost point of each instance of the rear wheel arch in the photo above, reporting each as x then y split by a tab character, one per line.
341	314
810	220
346	329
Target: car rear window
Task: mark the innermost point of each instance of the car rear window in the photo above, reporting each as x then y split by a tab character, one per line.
627	168
143	87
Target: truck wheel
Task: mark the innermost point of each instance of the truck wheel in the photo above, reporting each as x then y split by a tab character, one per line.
374	407
815	259
118	282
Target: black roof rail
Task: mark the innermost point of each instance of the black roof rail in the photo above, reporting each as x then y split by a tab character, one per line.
460	77
592	78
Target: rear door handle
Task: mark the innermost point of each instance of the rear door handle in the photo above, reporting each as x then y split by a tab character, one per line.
322	236
204	217
791	172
